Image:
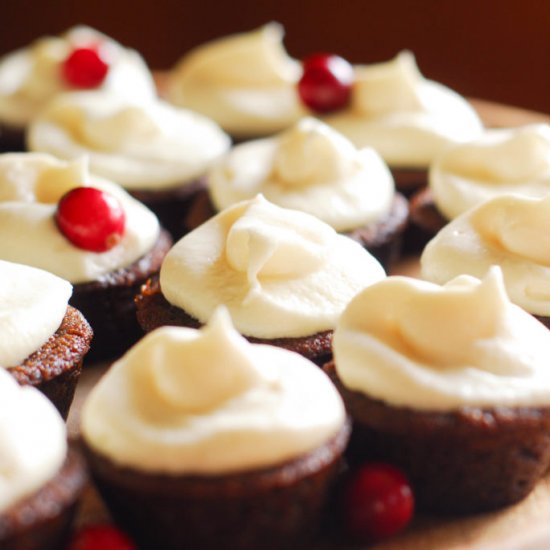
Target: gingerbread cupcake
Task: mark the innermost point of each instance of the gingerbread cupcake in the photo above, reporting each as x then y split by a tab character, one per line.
44	340
101	240
452	384
245	82
509	231
198	438
312	168
284	276
509	160
41	478
80	58
157	152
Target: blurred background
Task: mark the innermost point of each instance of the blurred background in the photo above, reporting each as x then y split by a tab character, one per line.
491	49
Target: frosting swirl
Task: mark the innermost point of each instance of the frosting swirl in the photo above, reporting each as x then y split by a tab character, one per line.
159	409
281	273
245	82
33	303
32	441
511	231
405	117
512	160
30	77
31	184
141	145
311	168
414	344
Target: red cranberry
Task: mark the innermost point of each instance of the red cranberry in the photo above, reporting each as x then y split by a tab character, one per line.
91	219
101	537
326	82
378	502
85	67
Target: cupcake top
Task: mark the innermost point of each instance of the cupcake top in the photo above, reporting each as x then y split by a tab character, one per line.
511	231
511	160
245	82
139	144
309	167
281	273
405	117
33	441
33	303
415	344
186	401
31	185
32	76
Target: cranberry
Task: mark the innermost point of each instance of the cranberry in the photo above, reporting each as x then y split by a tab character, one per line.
85	67
326	82
378	502
104	537
91	219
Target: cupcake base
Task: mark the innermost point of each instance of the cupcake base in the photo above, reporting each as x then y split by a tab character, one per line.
43	520
409	180
55	367
277	507
108	304
460	462
171	205
154	311
425	221
12	139
382	238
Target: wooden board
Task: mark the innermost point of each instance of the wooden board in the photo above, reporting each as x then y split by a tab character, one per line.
525	525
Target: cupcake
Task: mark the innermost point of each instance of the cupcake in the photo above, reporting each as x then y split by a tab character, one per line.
408	119
312	168
200	439
157	152
284	276
44	340
104	282
509	231
510	160
41	478
79	58
245	82
452	384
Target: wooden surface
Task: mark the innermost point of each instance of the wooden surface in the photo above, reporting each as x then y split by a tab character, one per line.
525	526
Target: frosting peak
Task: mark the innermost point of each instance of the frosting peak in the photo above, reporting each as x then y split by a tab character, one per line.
281	273
412	343
311	152
207	401
389	87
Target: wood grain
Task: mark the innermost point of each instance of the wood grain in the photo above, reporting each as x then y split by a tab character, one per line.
525	525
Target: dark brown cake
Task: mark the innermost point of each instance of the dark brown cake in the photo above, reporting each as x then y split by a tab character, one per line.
276	507
381	238
55	367
465	461
425	220
409	180
108	303
11	138
42	521
154	311
171	205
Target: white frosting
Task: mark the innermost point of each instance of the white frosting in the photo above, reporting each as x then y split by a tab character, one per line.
33	303
245	82
31	184
406	118
414	344
30	77
32	441
510	231
311	168
512	160
206	401
281	273
141	145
